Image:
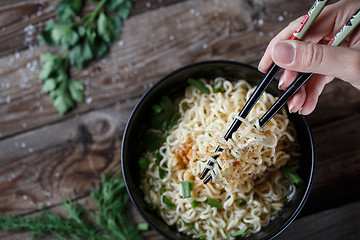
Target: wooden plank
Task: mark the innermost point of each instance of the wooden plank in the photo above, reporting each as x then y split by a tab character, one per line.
337	165
18	17
41	168
332	224
338	100
153	44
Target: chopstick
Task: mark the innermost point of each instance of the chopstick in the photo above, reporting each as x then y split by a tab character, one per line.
344	32
308	20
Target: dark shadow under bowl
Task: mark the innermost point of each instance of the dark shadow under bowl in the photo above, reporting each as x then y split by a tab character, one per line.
177	81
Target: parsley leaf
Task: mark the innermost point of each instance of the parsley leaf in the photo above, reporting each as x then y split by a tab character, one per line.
83	38
106	28
64	92
69	8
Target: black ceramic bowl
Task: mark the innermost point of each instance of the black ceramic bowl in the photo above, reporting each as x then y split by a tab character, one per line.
177	81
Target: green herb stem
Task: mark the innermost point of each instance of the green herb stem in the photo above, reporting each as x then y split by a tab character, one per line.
143	226
94	14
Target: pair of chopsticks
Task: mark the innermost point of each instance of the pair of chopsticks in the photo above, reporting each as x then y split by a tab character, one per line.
310	17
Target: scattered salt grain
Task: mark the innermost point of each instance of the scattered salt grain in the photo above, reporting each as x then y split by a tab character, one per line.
8	99
171	38
40	204
89	100
148	4
261	34
25	197
285	13
23	145
25	18
57	174
204	46
121	43
192	11
260	22
24	125
280	18
31	150
121	85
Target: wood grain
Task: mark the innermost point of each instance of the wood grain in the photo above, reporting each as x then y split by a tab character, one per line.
153	44
333	224
45	157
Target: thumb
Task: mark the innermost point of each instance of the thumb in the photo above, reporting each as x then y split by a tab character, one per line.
340	62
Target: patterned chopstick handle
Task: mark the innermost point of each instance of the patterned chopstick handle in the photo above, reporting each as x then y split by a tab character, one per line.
309	18
345	31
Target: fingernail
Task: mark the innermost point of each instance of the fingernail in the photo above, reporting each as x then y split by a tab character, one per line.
281	81
291	106
260	65
283	52
300	109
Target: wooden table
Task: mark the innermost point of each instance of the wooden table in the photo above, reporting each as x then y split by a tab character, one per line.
45	157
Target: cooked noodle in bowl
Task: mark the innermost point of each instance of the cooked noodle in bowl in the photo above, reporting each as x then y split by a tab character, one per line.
247	190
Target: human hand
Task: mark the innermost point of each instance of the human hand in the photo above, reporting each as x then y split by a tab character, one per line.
311	55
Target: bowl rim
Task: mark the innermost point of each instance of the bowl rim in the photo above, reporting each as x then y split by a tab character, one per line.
163	78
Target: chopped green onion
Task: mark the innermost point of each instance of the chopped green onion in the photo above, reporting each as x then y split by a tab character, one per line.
194	204
196	160
235	234
168	115
143	226
153	142
158	158
163	189
199	85
292	174
186	223
219	89
202	237
168	203
151	207
213	203
156	108
210	135
143	163
240	202
162	173
187	187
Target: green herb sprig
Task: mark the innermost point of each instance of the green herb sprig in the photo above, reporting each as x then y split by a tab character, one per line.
110	222
83	39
